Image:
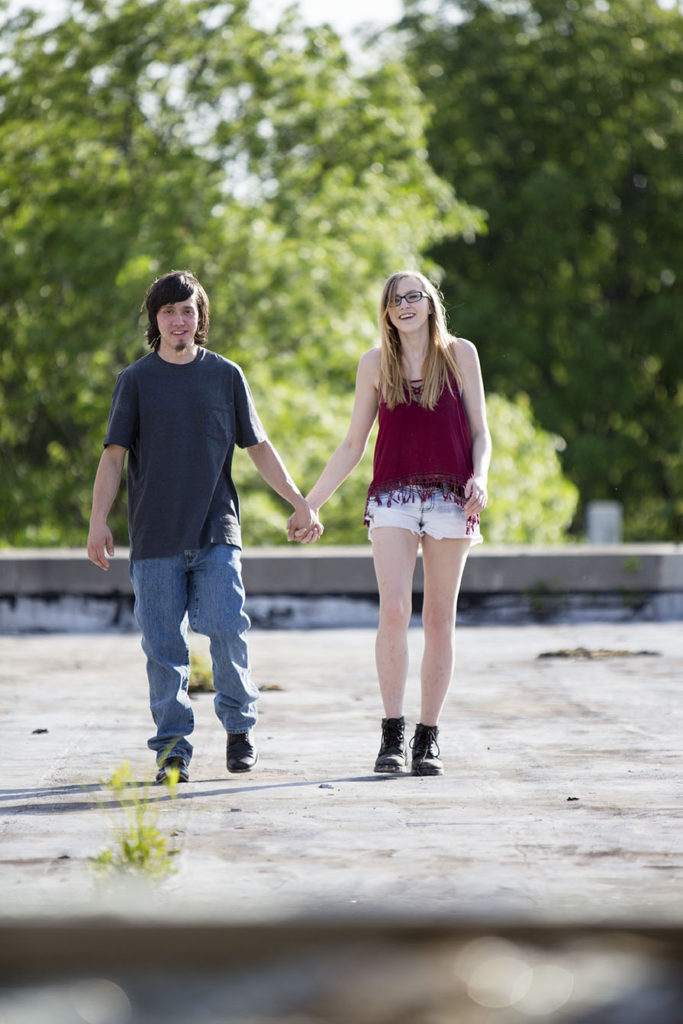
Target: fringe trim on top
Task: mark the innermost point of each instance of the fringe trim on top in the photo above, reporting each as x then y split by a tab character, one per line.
421	488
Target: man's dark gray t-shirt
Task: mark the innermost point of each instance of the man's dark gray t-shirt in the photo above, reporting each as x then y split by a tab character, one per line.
180	423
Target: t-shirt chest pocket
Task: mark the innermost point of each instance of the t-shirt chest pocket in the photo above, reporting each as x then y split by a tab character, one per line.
218	422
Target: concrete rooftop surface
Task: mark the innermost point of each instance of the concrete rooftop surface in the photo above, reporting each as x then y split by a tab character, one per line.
561	801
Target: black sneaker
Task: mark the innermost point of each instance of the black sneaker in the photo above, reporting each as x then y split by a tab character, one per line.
392	752
176	762
426	760
240	753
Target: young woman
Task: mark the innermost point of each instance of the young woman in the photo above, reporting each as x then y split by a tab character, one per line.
429	485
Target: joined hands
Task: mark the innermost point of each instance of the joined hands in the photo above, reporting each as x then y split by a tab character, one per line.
304	526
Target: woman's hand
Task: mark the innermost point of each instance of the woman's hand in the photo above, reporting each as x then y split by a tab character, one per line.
304	526
475	495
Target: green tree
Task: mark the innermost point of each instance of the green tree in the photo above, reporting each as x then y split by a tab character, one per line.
564	121
137	136
530	500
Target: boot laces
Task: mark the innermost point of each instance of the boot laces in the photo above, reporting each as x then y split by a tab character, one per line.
424	743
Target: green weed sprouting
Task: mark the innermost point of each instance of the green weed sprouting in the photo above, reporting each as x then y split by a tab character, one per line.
141	849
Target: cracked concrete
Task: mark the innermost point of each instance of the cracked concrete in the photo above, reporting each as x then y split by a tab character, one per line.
561	799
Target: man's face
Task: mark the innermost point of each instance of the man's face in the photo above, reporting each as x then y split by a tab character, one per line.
177	324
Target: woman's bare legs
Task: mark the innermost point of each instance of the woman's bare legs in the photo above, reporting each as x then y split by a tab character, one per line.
394	552
443	563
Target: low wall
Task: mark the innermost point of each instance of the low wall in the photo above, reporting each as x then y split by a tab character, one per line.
319	585
370	966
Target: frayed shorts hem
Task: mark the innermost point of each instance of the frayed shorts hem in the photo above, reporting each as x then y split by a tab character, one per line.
435	517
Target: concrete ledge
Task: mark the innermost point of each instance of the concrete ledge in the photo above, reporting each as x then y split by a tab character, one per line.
575	569
45	948
327	970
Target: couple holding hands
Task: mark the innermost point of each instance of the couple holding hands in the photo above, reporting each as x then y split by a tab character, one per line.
177	414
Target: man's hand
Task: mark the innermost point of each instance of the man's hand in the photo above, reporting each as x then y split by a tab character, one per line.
304	520
107	480
100	546
304	526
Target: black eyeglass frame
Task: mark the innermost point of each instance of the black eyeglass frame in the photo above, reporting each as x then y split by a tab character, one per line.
411	299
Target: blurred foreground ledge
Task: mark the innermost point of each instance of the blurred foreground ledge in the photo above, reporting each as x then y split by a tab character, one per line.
319	586
335	972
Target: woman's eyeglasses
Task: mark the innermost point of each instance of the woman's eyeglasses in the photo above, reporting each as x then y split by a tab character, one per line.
410	297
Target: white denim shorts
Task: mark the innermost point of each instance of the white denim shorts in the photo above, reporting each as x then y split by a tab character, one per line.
436	516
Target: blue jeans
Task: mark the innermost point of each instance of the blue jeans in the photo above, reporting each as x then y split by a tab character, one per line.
203	588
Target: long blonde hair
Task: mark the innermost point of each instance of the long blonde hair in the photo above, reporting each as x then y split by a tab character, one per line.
440	362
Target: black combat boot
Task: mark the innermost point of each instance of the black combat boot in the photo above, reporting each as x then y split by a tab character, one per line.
426	760
392	752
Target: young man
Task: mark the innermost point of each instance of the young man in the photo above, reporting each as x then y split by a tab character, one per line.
178	413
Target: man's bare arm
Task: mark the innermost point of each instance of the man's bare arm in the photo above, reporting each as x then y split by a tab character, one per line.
107	483
272	469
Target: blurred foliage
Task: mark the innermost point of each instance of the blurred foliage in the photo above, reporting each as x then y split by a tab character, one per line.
565	123
201	674
141	135
530	501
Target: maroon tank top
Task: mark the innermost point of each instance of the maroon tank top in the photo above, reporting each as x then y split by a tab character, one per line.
420	451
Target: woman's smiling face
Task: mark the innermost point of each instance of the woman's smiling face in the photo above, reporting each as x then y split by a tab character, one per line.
412	315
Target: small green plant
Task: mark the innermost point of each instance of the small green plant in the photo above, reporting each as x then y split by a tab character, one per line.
141	848
201	674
